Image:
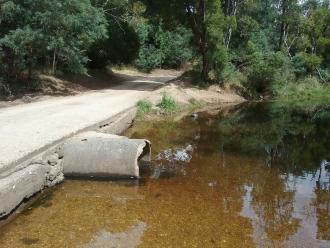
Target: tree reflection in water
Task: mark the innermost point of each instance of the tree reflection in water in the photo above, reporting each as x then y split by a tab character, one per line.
322	202
291	140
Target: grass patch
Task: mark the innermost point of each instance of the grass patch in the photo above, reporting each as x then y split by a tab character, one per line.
143	107
168	104
195	104
125	69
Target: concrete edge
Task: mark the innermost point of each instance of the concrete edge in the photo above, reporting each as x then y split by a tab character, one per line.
114	125
43	168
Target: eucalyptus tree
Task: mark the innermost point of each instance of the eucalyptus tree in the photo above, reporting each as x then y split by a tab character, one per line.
205	19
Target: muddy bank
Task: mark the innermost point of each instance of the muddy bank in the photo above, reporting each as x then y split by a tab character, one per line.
183	92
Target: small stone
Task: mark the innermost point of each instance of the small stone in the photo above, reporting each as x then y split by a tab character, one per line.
53	159
194	115
189	148
212	184
27	99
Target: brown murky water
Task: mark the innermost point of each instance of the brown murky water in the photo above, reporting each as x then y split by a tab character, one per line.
251	176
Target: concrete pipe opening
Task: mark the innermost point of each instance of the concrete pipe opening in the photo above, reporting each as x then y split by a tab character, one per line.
102	155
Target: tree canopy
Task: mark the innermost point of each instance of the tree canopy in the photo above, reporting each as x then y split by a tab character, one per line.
265	46
47	33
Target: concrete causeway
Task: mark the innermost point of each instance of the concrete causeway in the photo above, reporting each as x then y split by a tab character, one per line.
27	128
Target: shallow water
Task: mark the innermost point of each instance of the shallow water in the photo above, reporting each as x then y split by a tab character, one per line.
251	176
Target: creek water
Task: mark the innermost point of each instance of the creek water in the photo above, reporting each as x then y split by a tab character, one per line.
254	175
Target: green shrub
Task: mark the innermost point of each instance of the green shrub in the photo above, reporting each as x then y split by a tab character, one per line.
325	73
149	58
47	34
162	48
174	46
168	104
143	107
307	88
305	63
267	72
122	46
231	75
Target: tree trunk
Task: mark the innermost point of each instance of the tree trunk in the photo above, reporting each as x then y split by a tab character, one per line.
231	12
197	21
282	31
30	64
203	42
205	70
54	62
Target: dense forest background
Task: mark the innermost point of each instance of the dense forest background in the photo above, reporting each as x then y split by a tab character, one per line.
277	48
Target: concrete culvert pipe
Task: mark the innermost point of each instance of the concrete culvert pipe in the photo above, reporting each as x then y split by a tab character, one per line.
95	154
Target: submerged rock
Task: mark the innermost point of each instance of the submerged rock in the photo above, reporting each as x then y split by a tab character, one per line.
326	165
194	116
179	154
172	162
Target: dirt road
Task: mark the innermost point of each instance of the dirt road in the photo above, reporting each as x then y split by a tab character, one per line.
27	128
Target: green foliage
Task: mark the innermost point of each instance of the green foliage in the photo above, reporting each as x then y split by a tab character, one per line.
217	56
168	104
47	34
122	47
17	56
269	46
175	46
205	20
266	71
260	41
149	56
305	89
248	26
306	63
232	76
162	48
143	107
122	44
325	73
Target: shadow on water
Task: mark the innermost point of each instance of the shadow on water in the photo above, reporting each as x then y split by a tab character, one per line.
127	182
255	175
44	200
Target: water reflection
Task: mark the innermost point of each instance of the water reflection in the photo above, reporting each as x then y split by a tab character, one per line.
291	200
286	196
287	200
322	202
